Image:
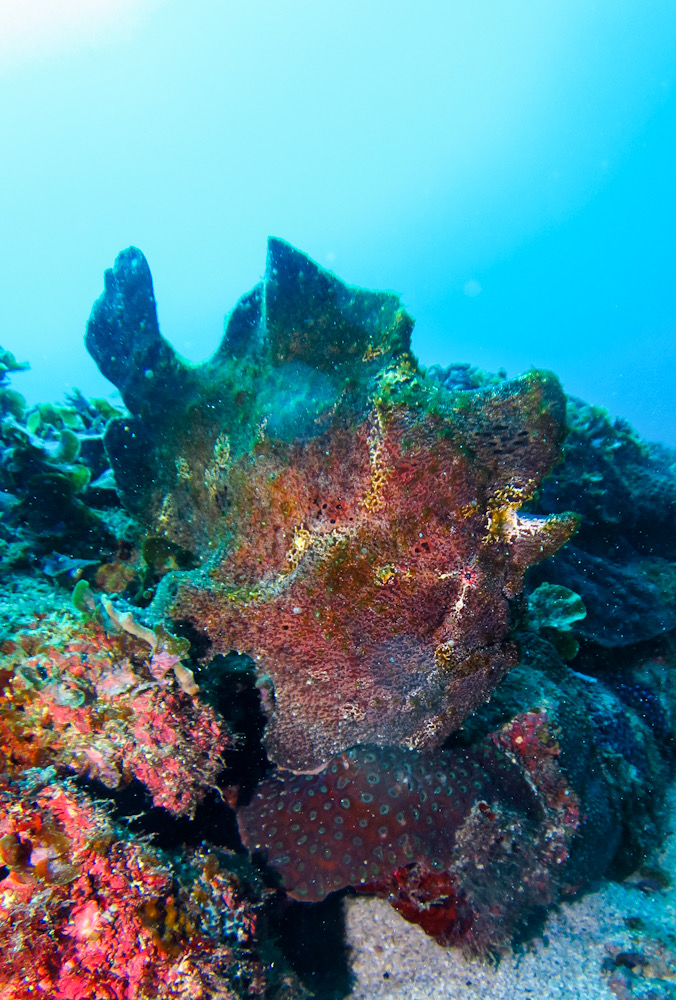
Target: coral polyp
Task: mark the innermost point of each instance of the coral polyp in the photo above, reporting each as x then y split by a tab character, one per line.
359	526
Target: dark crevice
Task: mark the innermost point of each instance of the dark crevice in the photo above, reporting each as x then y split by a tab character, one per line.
228	684
214	820
312	939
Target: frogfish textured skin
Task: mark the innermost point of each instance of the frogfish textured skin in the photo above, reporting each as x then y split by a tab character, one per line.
357	526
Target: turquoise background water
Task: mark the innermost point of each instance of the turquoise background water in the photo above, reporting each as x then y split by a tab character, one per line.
507	167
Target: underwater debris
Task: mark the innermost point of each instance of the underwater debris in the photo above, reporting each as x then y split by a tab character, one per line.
358	523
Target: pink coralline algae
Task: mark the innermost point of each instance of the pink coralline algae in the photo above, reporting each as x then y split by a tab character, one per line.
439	834
85	913
359	526
101	703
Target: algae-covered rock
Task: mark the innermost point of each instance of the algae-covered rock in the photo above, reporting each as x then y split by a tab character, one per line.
623	559
554	607
554	611
357	522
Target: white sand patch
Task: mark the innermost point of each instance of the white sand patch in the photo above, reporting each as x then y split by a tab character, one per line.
394	960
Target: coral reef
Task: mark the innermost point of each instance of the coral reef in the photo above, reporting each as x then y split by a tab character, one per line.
90	690
623	560
538	801
362	530
359	525
105	704
86	912
309	546
57	494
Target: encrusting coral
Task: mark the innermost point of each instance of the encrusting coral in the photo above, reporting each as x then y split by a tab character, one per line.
86	911
100	702
358	524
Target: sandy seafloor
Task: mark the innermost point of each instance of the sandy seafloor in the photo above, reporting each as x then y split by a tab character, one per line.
574	956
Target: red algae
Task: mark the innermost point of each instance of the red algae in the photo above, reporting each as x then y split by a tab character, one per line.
103	705
85	913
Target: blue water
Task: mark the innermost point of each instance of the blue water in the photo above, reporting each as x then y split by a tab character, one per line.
508	169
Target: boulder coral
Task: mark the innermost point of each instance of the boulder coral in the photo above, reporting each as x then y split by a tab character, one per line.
358	526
